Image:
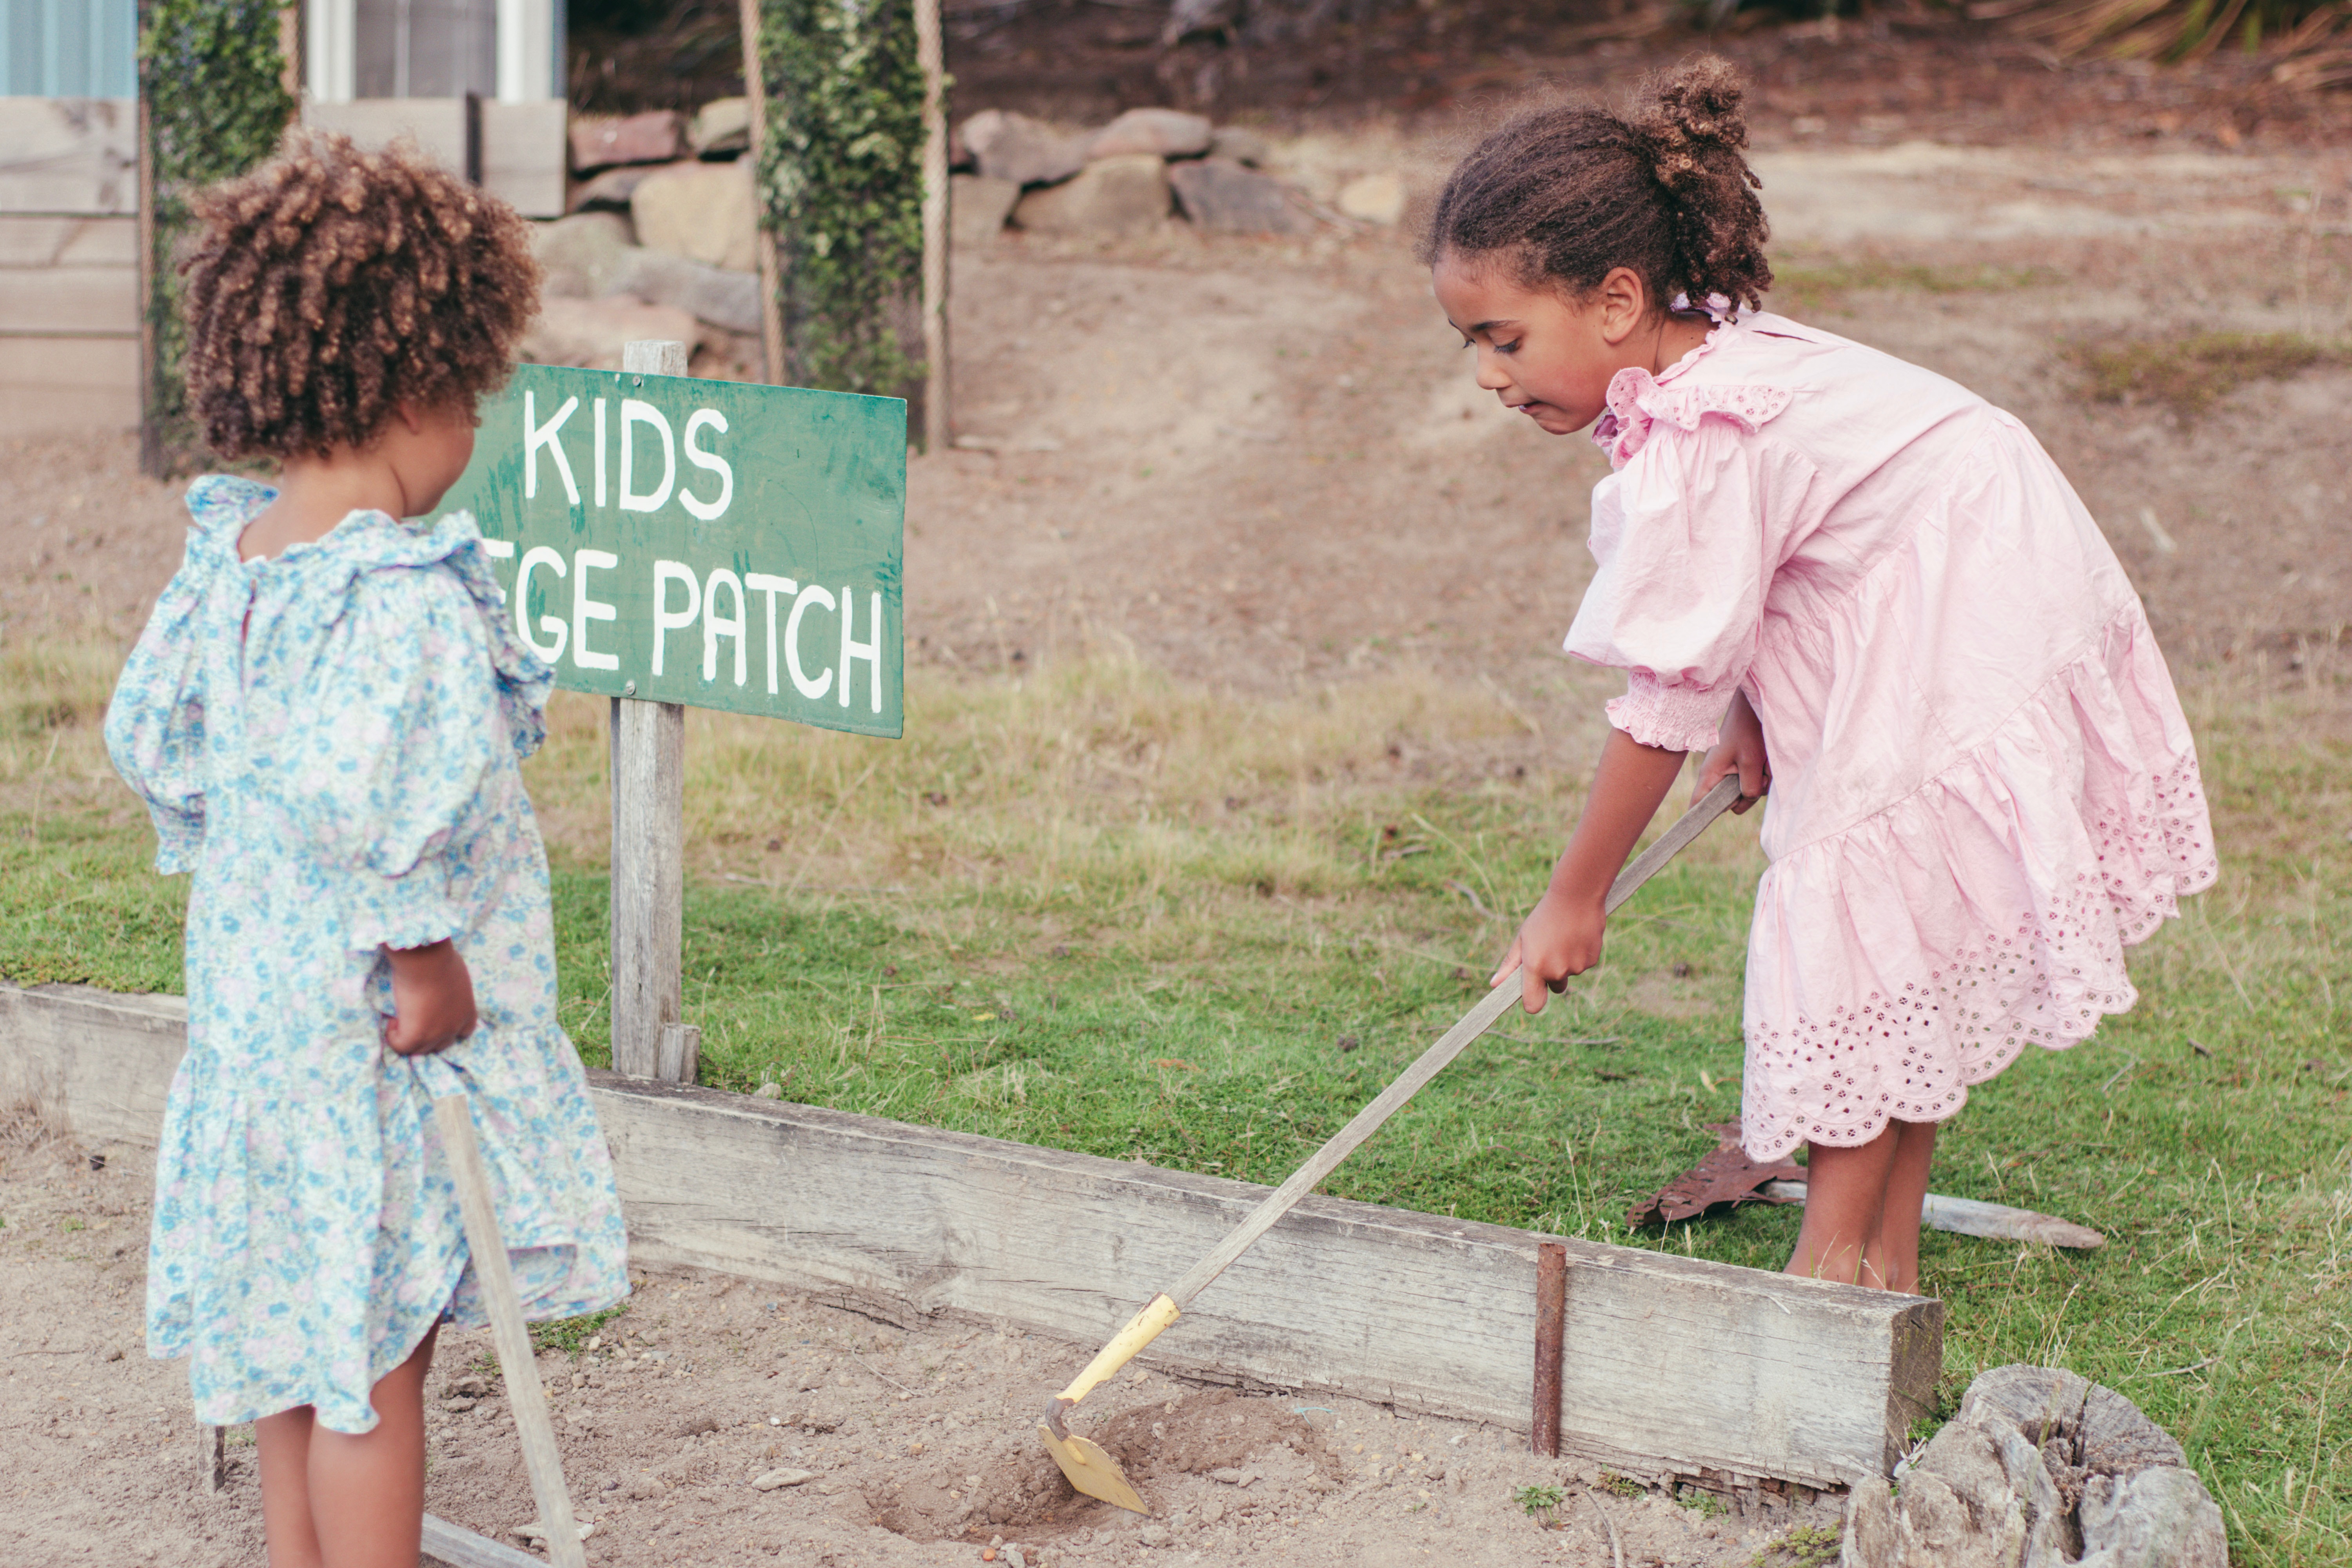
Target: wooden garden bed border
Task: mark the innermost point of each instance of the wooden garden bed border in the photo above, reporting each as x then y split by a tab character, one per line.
1675	1368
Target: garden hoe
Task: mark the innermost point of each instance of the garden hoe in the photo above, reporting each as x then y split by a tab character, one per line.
518	1358
1091	1469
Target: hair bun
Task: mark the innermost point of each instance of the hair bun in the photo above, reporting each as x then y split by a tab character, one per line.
1696	112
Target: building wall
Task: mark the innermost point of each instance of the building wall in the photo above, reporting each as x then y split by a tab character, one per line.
69	263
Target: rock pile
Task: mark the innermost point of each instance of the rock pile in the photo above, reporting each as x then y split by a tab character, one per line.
1124	177
660	243
2041	1468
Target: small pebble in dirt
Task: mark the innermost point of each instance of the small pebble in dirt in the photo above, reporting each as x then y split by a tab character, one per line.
784	1478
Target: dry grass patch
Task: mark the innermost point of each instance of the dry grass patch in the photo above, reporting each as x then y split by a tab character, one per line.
2189	374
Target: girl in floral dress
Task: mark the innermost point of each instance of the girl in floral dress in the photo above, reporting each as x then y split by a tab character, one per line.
326	716
1857	585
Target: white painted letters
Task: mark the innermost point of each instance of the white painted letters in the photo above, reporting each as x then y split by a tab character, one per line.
596	496
871	650
665	574
586	609
761	583
633	413
537	555
812	689
599	452
715	625
535	435
711	510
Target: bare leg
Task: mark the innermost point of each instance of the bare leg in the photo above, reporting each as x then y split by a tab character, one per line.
1846	1191
1896	1250
284	1440
341	1499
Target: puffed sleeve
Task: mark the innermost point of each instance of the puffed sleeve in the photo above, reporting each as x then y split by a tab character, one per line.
402	724
1678	601
156	723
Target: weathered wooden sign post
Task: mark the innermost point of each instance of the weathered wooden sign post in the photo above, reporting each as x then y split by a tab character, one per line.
668	542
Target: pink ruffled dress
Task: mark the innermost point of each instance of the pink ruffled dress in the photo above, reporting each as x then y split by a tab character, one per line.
1983	786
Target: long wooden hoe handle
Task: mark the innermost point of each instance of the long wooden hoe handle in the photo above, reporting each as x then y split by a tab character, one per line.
517	1358
1475	1023
1162	1310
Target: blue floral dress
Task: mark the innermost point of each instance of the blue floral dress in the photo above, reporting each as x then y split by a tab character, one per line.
331	740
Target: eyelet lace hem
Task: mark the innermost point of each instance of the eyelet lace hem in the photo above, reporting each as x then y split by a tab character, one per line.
1911	1052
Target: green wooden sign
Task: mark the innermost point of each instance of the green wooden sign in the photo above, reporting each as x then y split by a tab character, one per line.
710	542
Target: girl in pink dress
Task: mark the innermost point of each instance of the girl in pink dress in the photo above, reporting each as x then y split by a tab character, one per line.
1859	586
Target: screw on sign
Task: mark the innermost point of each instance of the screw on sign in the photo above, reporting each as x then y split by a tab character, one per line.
670	543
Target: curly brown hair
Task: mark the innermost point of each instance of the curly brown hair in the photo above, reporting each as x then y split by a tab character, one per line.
1569	193
330	285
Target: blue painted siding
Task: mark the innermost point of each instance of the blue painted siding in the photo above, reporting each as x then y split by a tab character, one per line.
70	48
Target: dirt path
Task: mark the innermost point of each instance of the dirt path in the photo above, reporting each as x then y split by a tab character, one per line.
881	1445
1263	464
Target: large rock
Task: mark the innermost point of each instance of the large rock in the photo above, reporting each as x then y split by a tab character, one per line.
1375	199
1007	146
1224	198
611	189
712	294
699	211
1163	132
599	142
978	207
583	255
1239	145
722	125
1110	196
591	332
2041	1468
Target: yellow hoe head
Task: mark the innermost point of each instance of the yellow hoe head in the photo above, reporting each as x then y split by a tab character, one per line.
1091	1470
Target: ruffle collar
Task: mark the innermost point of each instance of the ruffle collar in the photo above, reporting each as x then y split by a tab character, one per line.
368	541
1637	400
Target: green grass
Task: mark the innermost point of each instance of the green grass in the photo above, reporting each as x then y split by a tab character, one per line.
1803	286
1801	1546
1540	1503
2189	374
1098	910
571	1335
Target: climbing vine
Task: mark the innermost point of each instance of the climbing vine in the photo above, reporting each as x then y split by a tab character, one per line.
841	188
211	75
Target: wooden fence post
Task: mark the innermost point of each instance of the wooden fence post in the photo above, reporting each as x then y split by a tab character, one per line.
771	273
648	850
930	54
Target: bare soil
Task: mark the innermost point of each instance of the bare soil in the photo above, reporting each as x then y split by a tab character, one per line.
913	1447
1261	466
